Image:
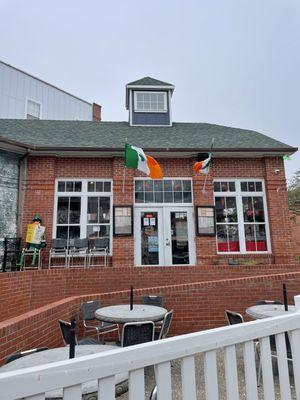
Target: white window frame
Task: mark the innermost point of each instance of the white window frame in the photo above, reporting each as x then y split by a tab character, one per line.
165	109
176	178
34	101
238	194
84	194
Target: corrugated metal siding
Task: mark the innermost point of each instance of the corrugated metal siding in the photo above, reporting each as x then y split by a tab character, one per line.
16	87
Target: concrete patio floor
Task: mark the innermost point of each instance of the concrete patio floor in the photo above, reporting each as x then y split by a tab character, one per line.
176	379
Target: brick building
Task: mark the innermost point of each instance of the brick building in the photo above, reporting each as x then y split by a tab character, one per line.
74	177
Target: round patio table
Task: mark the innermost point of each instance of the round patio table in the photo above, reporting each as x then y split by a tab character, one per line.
268	310
120	314
89	389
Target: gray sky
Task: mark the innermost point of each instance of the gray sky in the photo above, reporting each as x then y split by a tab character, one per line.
233	62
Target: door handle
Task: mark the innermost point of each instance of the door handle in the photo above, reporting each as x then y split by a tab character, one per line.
168	242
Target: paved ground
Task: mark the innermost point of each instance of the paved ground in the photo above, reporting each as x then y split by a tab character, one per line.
176	380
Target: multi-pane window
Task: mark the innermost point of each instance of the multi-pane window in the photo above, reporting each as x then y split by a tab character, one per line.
150	101
163	191
33	110
241	218
83	209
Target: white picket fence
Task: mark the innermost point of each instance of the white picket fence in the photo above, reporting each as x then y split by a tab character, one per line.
32	383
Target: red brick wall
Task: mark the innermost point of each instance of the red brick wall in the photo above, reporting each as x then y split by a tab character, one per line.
42	171
196	306
25	291
295	219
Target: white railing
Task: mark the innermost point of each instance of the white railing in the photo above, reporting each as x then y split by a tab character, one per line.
32	383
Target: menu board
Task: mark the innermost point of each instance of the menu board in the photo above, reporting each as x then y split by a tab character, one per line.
205	220
123	220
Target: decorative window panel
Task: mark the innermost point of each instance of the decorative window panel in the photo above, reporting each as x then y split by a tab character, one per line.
150	101
163	191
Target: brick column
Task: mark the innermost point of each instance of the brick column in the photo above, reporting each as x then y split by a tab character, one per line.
278	211
123	247
205	245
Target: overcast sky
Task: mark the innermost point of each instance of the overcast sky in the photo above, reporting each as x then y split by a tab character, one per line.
233	62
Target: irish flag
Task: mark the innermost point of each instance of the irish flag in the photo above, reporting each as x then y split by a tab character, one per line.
136	158
202	166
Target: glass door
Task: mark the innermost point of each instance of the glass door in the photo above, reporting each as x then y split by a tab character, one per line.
148	237
164	236
179	236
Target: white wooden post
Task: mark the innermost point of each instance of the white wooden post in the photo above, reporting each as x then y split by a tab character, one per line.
297	302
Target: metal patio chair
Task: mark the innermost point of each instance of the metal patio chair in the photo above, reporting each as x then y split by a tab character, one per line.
20	354
165	327
91	324
78	250
98	247
265	302
234	318
153	300
137	333
65	329
58	251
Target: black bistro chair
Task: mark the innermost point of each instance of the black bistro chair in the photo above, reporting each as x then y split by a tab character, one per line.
137	333
65	329
91	324
20	354
265	302
233	317
153	300
11	252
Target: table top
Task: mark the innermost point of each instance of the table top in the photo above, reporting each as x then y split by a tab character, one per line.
60	354
121	313
268	310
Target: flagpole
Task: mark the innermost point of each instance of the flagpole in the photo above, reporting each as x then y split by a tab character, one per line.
124	173
211	147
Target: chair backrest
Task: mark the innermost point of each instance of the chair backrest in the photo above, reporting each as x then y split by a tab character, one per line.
12	244
137	333
233	317
59	244
81	243
152	300
65	329
88	309
166	324
263	302
20	354
99	243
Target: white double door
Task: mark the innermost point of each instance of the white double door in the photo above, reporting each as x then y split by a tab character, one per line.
164	236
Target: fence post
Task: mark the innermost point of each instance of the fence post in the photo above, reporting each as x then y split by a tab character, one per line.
297	302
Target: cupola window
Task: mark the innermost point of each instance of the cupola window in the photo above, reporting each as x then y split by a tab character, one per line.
150	101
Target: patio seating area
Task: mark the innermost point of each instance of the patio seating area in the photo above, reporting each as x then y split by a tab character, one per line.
220	363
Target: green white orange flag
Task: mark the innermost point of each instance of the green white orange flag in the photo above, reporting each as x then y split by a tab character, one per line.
136	158
203	166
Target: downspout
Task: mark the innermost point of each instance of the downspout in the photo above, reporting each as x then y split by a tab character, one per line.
20	193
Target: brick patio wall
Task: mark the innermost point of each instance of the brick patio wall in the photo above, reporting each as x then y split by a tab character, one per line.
24	291
42	172
197	306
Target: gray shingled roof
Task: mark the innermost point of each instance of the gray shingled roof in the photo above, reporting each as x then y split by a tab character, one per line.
112	135
148	81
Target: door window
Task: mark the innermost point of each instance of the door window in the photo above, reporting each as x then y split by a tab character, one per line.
179	237
149	238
